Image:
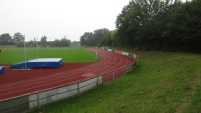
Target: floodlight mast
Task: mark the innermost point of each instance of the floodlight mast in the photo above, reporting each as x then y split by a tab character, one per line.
37	48
25	53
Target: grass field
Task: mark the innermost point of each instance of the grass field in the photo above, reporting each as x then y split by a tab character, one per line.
163	82
15	55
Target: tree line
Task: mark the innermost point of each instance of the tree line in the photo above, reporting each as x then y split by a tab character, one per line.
18	41
168	25
99	37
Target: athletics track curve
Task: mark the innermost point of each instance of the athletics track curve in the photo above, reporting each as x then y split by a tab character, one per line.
17	83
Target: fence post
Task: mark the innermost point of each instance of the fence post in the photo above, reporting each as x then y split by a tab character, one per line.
97	80
38	100
78	91
113	75
125	70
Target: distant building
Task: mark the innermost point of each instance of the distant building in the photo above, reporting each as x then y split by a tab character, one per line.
75	44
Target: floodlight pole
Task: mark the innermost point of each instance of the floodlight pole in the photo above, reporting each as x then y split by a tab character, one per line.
37	48
25	55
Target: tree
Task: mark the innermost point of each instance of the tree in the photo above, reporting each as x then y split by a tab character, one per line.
43	41
83	40
96	38
56	43
114	38
140	21
64	42
183	32
18	38
106	39
32	43
6	39
87	39
99	34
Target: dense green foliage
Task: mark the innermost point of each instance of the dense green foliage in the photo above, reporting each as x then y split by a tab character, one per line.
15	55
18	41
6	39
162	82
168	25
98	38
142	22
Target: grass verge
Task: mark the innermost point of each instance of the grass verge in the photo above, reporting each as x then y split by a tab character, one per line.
163	82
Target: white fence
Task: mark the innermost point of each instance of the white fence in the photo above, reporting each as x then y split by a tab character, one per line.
45	97
37	99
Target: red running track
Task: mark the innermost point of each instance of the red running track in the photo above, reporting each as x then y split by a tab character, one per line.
15	83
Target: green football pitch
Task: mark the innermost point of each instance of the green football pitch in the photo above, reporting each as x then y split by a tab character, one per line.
15	55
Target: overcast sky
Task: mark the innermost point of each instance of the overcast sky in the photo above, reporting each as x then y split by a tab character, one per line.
58	18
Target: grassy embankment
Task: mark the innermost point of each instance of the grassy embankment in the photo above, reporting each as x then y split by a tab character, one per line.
15	55
163	82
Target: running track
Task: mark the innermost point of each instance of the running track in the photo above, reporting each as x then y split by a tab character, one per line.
18	83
